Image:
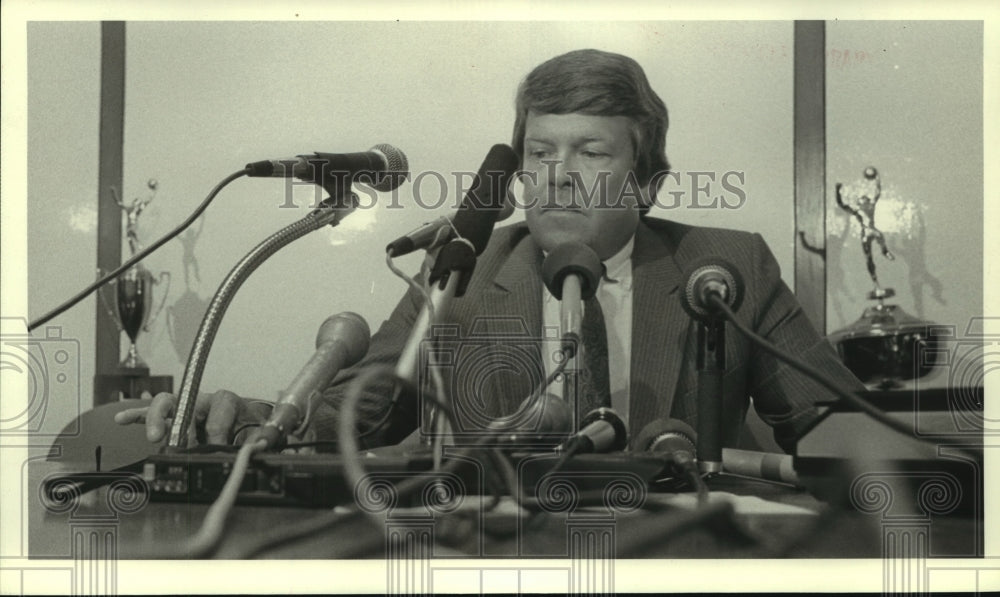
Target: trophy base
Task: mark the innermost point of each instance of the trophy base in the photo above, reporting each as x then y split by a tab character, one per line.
113	388
129	370
887	345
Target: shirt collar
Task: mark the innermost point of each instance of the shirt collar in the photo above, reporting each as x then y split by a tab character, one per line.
619	264
618	268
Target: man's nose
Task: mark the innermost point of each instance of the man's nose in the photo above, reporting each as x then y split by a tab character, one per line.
560	172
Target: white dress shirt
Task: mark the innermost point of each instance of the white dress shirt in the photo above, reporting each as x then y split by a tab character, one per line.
615	295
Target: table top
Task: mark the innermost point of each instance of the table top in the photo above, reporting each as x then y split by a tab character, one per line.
744	518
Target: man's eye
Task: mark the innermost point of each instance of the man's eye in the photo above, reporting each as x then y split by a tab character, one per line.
594	154
538	154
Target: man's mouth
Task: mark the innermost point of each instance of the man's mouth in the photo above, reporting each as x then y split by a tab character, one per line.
568	209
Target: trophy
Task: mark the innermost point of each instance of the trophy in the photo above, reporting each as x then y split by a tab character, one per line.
134	288
886	345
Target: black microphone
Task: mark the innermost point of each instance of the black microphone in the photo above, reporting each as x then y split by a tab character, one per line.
672	439
707	280
602	430
572	273
433	234
382	167
707	277
342	341
479	212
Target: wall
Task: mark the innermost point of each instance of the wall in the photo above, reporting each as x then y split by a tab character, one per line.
63	90
203	99
907	99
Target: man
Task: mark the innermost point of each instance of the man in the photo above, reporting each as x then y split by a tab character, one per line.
590	133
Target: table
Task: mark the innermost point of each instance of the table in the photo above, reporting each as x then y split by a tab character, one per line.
752	518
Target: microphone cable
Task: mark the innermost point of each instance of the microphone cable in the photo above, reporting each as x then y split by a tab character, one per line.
354	473
138	256
349	451
412	283
821	378
206	540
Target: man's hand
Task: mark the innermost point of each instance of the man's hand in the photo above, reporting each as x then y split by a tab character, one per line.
215	420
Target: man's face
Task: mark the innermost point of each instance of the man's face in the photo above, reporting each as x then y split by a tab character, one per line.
577	167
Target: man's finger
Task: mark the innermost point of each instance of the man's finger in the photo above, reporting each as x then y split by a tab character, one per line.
221	416
131	415
160	409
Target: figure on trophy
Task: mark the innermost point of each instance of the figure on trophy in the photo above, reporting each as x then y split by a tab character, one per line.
863	210
134	288
887	345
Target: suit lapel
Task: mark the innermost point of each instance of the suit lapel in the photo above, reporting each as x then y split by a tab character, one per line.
514	305
659	325
659	328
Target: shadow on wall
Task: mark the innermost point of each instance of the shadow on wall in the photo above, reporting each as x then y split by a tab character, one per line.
185	314
903	225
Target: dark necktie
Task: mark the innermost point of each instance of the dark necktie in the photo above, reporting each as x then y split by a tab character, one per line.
595	385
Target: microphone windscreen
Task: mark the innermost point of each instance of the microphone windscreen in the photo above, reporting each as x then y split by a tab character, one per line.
483	204
572	258
550	414
661	429
351	330
705	276
397	168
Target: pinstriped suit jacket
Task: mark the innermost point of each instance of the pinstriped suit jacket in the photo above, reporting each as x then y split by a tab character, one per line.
492	351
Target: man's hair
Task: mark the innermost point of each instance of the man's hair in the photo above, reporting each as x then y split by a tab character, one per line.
599	84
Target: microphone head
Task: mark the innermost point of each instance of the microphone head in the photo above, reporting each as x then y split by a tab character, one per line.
610	416
486	200
707	276
668	435
549	414
397	168
572	258
351	330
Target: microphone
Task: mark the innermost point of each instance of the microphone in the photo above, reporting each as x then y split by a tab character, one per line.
550	415
342	341
672	439
483	206
707	277
433	234
571	272
382	167
602	430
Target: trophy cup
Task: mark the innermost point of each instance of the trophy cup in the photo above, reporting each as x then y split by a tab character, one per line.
886	346
133	311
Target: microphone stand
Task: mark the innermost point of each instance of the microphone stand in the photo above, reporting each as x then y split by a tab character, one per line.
330	212
449	277
711	368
